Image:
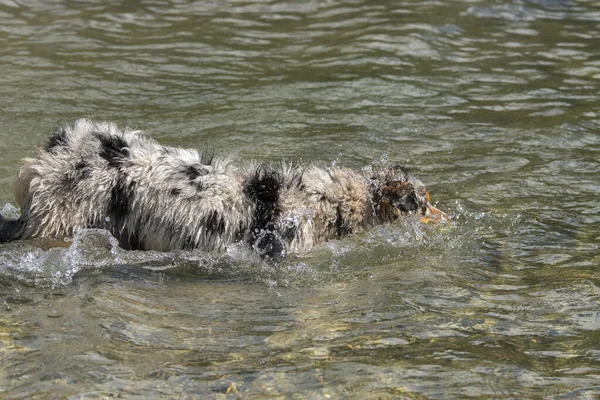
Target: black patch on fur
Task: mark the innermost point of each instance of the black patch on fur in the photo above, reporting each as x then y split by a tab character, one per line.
78	173
239	233
189	243
214	224
192	172
114	149
263	188
57	139
83	168
341	226
11	229
131	242
121	198
175	192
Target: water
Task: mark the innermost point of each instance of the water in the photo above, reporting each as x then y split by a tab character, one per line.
494	104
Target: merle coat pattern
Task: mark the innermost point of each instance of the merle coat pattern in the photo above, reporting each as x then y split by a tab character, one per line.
154	197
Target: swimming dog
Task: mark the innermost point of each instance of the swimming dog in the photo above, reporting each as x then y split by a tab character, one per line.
154	197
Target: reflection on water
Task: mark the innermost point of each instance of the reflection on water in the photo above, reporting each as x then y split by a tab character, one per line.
494	104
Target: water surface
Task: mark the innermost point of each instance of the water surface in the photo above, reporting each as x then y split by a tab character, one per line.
494	104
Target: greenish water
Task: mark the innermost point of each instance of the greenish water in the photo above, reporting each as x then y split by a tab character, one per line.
494	104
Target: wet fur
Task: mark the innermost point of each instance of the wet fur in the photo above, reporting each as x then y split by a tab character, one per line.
154	197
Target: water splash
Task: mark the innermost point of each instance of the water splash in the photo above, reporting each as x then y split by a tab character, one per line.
93	250
9	211
90	249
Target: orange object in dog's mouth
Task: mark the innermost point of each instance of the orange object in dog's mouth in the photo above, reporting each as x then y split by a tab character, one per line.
432	214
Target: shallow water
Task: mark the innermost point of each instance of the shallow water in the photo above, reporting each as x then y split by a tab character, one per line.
494	104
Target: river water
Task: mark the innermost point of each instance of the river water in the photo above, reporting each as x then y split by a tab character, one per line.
494	104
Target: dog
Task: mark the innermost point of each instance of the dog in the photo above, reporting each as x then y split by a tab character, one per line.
154	197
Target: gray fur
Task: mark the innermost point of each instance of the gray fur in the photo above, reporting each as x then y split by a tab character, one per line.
154	197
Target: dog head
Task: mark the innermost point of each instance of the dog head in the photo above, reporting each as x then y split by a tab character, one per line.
397	193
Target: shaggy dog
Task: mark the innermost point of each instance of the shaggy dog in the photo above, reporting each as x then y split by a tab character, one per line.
153	197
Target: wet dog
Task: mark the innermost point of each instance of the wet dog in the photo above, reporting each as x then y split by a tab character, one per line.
154	197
